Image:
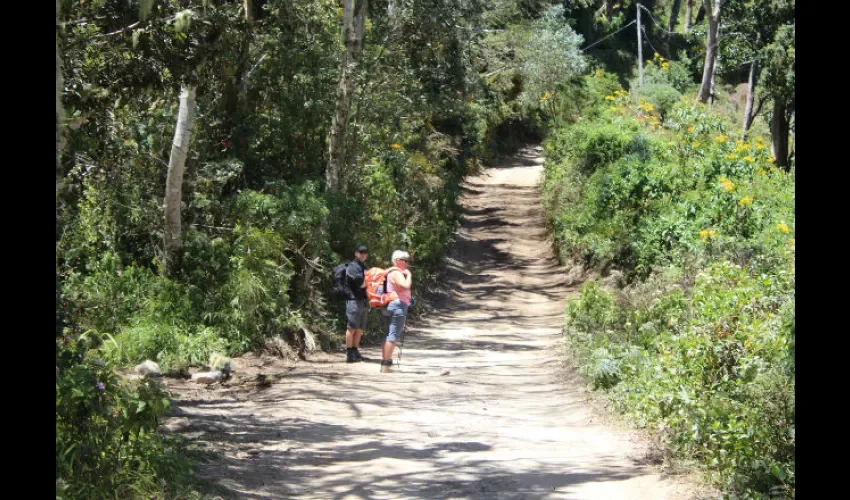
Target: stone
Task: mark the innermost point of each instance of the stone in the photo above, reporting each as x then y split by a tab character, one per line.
207	377
148	369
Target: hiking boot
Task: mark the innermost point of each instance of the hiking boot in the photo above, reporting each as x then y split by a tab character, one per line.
386	366
358	356
351	356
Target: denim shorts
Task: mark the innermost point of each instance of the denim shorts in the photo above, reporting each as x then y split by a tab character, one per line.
398	315
356	313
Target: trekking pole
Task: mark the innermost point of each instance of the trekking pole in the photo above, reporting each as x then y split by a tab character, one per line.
384	329
401	344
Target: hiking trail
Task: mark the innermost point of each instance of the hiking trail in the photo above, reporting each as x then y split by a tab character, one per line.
508	420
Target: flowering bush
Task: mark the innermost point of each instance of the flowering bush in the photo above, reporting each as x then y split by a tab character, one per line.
700	344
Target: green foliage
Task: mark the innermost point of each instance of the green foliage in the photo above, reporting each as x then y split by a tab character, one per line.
106	440
700	344
662	72
661	95
594	311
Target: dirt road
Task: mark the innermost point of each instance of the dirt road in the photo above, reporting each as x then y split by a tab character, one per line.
504	422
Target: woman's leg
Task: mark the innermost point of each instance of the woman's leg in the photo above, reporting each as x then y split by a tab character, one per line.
396	326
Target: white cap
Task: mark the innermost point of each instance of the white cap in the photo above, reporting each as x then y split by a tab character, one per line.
400	254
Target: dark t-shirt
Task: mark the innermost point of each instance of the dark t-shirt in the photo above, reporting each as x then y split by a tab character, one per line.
354	275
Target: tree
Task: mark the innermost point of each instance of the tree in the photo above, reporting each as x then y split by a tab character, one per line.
674	16
778	81
174	183
712	11
354	16
689	13
60	112
749	36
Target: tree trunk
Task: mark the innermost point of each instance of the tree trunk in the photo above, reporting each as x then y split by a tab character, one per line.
609	9
779	125
712	96
235	93
249	10
674	16
174	183
748	110
689	13
60	112
354	17
713	14
392	17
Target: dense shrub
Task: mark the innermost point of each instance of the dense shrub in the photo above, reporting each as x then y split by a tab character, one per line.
700	344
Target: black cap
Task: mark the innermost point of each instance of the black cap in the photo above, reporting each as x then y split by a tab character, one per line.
362	248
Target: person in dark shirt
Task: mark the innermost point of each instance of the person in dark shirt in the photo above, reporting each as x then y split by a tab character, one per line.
356	304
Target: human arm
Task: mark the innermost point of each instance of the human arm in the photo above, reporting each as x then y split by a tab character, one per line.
355	276
403	279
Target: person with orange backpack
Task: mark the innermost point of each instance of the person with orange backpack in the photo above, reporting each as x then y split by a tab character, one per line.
399	282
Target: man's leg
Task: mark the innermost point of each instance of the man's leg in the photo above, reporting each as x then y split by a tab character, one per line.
351	318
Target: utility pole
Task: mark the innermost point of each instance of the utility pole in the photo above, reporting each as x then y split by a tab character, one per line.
640	47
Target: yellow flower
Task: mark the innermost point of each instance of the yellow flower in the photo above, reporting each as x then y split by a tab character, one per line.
791	241
547	95
646	106
782	227
665	66
759	138
706	234
696	144
691	129
656	54
731	156
610	98
614	108
759	146
721	138
395	146
622	111
598	73
771	160
728	185
746	200
749	159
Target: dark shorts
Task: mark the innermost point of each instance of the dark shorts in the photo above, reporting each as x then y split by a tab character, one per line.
356	312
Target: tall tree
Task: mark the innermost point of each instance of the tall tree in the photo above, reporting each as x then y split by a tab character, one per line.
689	13
60	113
748	108
174	181
674	16
712	12
353	24
778	81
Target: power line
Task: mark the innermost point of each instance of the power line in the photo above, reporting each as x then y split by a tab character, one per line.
609	36
656	20
646	37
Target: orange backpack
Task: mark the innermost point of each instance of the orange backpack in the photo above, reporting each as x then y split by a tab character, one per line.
376	287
